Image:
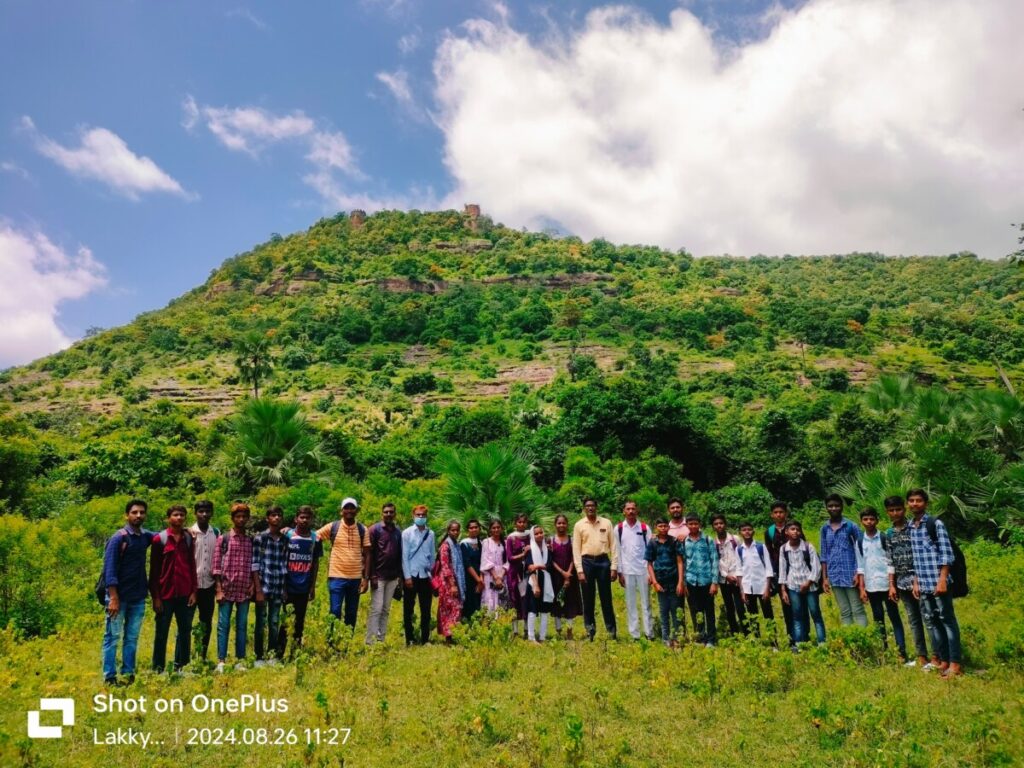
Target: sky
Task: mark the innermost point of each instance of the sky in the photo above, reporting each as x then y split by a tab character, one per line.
142	143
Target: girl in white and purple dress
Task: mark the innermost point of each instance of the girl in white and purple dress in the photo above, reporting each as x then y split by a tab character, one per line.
493	566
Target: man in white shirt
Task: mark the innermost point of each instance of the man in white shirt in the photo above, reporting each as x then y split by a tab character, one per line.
756	579
204	536
632	540
729	574
878	586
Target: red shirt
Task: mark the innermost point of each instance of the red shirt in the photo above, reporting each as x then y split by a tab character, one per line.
172	566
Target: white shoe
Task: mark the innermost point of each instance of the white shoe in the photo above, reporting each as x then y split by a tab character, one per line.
259	663
928	667
221	668
911	663
240	666
272	662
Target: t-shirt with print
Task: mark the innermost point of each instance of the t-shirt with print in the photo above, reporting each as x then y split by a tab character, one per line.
303	551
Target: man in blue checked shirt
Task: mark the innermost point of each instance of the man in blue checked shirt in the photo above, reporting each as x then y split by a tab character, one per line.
842	568
933	556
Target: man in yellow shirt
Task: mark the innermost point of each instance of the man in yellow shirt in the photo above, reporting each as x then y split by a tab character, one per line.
597	563
348	573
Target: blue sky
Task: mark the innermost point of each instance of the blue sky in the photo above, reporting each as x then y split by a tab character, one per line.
142	143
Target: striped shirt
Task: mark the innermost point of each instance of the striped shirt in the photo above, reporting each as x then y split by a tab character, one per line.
205	544
346	560
794	569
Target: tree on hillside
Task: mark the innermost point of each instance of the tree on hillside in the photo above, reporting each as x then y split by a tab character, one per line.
487	482
272	444
254	361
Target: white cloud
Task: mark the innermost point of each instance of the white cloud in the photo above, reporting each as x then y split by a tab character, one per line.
408	43
103	155
254	130
885	125
247	15
248	129
15	170
38	276
397	83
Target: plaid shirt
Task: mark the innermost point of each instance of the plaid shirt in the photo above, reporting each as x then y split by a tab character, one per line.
270	558
840	553
928	558
902	554
701	561
234	563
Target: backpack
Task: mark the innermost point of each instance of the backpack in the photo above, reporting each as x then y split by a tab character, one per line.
337	524
958	586
885	544
101	583
643	529
807	558
162	538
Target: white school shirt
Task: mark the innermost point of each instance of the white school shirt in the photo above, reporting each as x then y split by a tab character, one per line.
877	564
755	572
632	548
728	559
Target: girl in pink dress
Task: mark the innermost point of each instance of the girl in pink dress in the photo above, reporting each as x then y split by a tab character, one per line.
493	565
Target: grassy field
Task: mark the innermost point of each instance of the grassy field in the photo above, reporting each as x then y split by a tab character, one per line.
494	701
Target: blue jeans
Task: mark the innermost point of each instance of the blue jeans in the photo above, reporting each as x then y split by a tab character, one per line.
224	627
941	620
344	593
806	609
270	609
127	622
669	605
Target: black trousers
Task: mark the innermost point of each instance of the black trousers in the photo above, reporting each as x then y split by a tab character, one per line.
178	609
735	611
205	603
598	573
422	593
755	604
300	602
702	607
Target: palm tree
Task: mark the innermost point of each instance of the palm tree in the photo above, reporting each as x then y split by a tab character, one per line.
273	443
252	356
490	481
869	486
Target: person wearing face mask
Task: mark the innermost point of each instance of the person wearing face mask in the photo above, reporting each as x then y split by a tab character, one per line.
385	572
418	550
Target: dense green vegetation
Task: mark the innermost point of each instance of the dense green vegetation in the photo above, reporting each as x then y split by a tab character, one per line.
386	352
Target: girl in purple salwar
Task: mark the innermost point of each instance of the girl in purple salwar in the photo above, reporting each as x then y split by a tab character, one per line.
517	545
568	599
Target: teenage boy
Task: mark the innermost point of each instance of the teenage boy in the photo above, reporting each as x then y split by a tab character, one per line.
700	563
756	579
730	573
879	585
238	581
385	571
304	553
270	555
841	567
597	561
418	552
665	569
933	557
348	570
124	577
632	537
173	586
799	571
774	539
204	538
902	554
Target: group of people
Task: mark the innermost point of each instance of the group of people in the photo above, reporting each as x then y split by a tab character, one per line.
528	572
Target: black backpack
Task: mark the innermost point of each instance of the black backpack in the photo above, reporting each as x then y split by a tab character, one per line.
101	583
958	586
